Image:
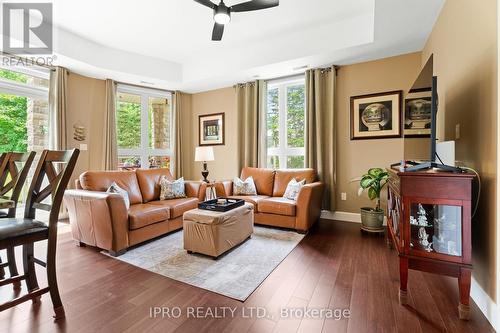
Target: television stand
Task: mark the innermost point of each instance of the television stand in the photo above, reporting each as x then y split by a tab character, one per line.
415	166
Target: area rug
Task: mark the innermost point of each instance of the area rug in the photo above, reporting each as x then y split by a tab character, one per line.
235	274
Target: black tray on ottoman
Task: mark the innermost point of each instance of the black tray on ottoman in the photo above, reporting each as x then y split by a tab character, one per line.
221	204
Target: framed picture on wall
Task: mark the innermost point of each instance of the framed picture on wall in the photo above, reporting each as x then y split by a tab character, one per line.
418	111
211	129
376	116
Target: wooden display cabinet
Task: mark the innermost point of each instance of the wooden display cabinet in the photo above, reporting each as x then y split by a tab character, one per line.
429	222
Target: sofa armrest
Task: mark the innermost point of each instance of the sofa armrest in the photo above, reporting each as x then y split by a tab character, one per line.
224	188
309	202
195	189
98	218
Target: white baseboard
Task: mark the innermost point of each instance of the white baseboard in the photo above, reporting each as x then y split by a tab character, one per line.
344	216
487	306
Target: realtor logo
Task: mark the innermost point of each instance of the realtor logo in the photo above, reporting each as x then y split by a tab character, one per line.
27	28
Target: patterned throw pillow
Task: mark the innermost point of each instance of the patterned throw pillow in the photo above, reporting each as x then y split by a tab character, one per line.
114	188
293	189
171	190
246	187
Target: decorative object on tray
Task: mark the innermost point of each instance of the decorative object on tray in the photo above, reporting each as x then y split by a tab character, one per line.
204	154
172	189
114	188
417	121
211	129
376	115
374	180
221	204
244	187
293	189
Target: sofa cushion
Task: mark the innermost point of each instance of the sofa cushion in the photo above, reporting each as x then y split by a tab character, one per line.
102	180
149	182
263	178
141	215
253	199
177	207
283	177
277	205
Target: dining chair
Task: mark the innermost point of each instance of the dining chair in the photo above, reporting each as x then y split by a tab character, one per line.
57	167
12	179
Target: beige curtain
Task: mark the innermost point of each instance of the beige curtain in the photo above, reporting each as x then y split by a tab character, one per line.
110	149
177	119
320	129
58	139
248	97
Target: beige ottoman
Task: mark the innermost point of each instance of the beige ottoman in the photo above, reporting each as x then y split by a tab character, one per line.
213	233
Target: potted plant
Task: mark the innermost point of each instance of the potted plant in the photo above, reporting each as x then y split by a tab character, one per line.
373	181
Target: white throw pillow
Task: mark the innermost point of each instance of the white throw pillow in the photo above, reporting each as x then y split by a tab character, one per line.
293	189
172	190
114	188
246	187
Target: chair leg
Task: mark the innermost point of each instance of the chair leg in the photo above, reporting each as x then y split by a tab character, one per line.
29	270
11	259
52	281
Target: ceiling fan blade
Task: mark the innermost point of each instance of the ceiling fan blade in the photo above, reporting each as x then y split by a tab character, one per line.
254	5
207	3
218	31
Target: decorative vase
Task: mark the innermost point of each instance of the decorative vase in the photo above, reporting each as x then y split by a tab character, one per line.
372	220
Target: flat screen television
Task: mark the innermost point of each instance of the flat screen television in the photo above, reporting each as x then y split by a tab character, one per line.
420	123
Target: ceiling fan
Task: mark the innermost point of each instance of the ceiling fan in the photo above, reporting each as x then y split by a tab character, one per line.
222	13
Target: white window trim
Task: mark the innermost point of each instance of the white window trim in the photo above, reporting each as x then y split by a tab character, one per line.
283	151
144	151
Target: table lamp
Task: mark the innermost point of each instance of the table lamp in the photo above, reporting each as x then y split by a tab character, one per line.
204	154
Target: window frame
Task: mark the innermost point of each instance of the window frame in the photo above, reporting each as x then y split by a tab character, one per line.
283	151
25	90
144	151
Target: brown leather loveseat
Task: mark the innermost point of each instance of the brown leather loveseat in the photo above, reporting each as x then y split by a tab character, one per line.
269	205
101	219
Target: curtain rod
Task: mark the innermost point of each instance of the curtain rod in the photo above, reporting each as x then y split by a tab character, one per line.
293	75
139	86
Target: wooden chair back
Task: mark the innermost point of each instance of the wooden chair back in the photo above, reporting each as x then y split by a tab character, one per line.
57	166
17	165
4	160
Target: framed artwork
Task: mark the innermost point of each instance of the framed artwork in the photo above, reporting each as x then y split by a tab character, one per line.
418	112
376	116
211	129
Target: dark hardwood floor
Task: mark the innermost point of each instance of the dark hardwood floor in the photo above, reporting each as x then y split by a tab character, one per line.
335	267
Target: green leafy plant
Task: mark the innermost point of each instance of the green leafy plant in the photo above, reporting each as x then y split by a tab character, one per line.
373	181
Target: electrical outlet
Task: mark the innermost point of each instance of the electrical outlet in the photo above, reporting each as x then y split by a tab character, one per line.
457	131
343	196
83	146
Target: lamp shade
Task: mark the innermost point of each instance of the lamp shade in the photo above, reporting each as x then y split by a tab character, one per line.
203	154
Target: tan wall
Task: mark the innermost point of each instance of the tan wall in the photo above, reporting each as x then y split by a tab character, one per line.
354	157
225	165
86	106
464	44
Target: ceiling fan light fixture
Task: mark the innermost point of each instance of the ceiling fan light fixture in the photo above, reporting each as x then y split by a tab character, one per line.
222	14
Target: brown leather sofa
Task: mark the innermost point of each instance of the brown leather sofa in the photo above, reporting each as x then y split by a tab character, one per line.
269	205
101	219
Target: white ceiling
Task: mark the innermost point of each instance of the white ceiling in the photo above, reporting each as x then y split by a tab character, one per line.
167	43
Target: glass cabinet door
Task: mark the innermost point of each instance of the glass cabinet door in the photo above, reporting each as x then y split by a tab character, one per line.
394	214
436	228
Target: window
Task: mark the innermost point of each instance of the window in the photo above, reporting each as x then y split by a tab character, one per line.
285	122
24	112
144	128
24	108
